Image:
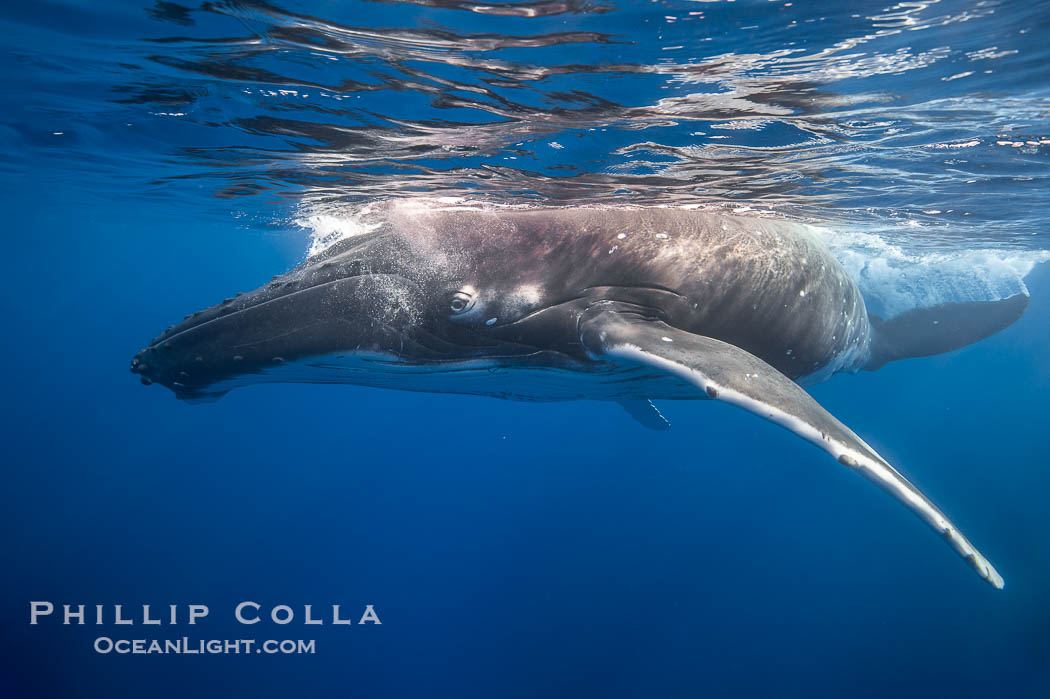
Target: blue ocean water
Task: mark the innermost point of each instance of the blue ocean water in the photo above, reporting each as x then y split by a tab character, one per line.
162	156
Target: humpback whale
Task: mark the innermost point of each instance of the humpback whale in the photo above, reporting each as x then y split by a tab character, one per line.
546	304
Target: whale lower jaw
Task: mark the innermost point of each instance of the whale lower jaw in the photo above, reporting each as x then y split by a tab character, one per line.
517	380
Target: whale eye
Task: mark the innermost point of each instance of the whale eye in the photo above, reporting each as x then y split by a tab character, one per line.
462	301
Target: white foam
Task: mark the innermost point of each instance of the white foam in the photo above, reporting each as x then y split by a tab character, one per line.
332	224
894	279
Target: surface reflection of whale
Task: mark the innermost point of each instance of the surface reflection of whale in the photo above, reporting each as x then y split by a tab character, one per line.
558	304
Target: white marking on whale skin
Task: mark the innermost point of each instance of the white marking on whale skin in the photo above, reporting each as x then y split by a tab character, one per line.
522	300
529	293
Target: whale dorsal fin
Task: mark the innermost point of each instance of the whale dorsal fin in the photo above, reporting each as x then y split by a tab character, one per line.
725	372
647	414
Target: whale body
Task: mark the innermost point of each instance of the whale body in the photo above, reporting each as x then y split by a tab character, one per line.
546	304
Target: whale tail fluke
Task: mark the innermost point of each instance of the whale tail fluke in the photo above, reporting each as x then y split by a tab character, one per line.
926	331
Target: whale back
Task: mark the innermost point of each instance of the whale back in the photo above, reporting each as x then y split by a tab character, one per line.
768	286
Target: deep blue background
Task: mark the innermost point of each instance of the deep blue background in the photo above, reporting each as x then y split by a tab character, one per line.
151	167
511	550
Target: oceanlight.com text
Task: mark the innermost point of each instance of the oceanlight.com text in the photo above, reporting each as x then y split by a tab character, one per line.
187	646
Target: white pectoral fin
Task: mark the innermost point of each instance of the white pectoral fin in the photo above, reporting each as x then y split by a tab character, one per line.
726	372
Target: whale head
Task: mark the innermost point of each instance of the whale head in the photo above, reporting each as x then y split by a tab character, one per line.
417	297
